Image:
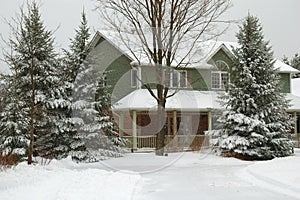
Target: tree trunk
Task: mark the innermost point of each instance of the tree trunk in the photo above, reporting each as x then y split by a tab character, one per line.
160	144
32	108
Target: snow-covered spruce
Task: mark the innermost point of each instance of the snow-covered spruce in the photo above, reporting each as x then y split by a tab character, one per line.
90	112
34	76
256	124
13	123
95	137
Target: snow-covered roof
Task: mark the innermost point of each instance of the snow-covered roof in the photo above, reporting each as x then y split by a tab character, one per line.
183	100
296	86
284	67
129	45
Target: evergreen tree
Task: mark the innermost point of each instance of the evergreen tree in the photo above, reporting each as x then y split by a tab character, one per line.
95	136
103	97
90	115
256	124
63	138
78	49
35	82
13	120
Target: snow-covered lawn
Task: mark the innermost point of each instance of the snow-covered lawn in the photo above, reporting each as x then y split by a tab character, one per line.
144	176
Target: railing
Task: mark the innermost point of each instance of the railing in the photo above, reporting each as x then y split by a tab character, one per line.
177	143
182	142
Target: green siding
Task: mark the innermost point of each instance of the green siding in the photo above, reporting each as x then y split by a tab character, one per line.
106	57
199	79
285	82
119	78
195	78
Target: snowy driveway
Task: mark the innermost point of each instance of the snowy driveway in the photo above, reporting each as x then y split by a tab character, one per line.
199	176
185	176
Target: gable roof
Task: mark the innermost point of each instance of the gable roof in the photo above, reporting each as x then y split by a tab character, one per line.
200	57
95	41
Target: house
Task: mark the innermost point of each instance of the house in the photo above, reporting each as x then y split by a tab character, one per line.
191	110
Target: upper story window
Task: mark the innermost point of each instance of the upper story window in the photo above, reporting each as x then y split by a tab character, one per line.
134	78
178	79
220	78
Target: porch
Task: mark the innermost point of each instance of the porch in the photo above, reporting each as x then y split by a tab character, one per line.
183	130
188	115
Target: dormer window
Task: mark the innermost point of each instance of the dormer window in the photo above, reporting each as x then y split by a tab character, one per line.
220	78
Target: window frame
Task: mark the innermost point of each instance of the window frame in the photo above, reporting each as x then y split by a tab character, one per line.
221	85
179	77
223	68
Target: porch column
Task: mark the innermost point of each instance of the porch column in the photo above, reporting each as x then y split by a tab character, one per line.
295	124
121	124
134	131
209	121
174	123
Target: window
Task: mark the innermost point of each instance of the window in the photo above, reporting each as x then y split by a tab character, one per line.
221	65
224	80
175	79
183	79
134	78
178	79
219	80
215	80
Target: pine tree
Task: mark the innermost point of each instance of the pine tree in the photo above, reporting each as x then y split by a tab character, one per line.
95	136
63	140
35	79
256	124
13	120
78	49
87	113
104	106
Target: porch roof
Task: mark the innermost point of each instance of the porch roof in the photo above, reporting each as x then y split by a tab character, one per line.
183	100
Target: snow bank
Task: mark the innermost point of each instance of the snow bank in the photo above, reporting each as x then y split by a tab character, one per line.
54	182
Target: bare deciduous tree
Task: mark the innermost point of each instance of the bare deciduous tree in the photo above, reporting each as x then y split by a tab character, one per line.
167	33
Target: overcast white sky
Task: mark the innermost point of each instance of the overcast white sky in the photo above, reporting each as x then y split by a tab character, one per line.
280	19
